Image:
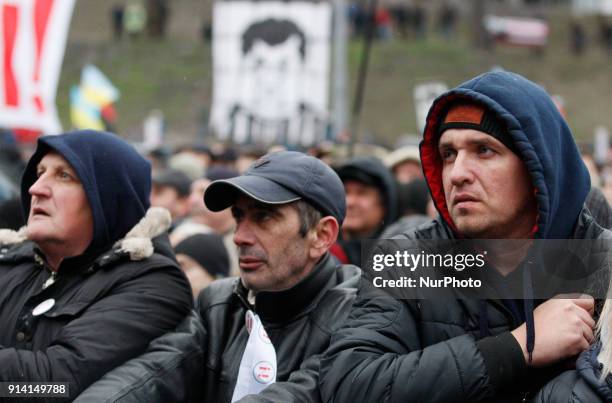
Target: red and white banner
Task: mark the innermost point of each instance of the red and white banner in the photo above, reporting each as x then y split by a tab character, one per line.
32	42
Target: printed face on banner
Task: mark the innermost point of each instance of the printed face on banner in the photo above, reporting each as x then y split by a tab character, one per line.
271	74
271	71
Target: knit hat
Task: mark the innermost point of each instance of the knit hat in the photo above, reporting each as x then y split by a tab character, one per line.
474	116
208	250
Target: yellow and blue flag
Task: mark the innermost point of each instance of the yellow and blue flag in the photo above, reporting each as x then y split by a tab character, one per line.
91	102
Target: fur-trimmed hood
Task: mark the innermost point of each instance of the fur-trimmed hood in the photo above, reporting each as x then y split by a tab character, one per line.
137	243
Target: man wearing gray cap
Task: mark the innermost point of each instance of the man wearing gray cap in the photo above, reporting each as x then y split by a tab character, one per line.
259	336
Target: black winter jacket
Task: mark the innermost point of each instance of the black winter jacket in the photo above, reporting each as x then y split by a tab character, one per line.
200	361
432	349
456	346
582	385
106	308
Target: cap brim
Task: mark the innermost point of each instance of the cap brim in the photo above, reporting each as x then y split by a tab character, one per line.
222	194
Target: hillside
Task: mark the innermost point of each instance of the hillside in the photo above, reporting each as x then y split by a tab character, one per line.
174	75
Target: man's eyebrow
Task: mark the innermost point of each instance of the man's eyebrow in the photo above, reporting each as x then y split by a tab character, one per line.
488	141
254	205
62	165
262	206
67	167
268	208
484	140
442	144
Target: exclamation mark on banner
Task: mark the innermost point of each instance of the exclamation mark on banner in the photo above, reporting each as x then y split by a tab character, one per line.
42	10
10	19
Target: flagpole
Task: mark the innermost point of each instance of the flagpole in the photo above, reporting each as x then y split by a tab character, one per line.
339	124
361	79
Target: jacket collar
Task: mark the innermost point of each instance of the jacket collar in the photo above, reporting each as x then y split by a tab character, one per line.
589	368
136	245
282	306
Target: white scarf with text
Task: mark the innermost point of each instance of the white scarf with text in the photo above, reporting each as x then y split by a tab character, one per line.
258	364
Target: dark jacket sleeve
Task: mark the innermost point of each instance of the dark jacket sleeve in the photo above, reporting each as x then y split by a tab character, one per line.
107	333
378	357
170	370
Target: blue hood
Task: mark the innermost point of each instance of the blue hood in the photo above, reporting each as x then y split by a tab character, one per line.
589	369
116	179
542	137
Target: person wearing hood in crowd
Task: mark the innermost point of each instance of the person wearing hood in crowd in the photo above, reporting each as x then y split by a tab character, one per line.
92	279
500	163
371	205
258	337
203	258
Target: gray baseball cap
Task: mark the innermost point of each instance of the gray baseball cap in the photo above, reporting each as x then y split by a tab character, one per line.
280	178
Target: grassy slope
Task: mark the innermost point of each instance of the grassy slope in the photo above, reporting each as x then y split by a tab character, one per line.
174	75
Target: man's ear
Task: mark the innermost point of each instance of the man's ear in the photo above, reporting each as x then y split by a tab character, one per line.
324	234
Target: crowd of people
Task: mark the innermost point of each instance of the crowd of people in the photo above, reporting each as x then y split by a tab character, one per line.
404	20
134	17
220	274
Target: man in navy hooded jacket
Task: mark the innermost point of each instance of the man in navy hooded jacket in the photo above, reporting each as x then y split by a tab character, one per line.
91	279
500	163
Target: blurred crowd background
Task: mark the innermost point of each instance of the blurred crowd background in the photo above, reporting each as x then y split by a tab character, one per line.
157	54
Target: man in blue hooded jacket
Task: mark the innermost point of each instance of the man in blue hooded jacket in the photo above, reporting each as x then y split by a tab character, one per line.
91	279
500	163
